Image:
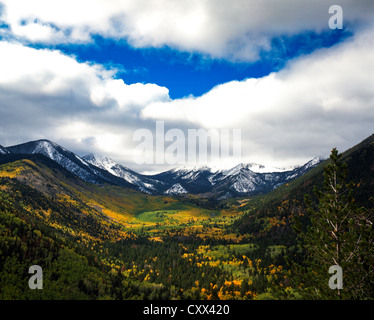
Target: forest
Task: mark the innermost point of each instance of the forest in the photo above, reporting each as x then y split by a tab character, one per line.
105	243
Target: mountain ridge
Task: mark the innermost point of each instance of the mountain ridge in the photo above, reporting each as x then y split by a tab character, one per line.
3	150
207	182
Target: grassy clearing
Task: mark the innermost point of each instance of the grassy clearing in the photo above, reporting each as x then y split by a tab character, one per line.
276	250
157	216
224	252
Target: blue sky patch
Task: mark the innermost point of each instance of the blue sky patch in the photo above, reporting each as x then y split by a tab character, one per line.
194	74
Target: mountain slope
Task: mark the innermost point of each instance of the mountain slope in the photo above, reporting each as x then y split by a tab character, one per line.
110	203
270	216
3	150
105	241
237	181
194	181
95	241
243	179
69	161
145	184
26	238
62	156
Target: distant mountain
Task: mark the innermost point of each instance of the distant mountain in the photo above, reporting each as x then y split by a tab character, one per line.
3	150
144	183
243	179
62	156
259	168
176	189
237	181
68	160
360	172
194	181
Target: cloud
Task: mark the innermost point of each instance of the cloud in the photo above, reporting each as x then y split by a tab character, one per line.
47	94
238	30
316	102
34	72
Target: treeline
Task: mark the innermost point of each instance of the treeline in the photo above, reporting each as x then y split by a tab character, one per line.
82	258
284	251
332	226
67	216
26	243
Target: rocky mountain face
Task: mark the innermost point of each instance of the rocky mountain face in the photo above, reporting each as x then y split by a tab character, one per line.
237	181
3	150
243	179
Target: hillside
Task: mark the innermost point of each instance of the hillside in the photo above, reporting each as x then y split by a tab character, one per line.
269	217
104	241
111	203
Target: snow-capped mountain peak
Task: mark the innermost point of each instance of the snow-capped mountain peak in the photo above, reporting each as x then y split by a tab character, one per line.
186	168
244	178
237	169
253	167
111	166
260	168
176	189
120	171
62	156
314	162
102	162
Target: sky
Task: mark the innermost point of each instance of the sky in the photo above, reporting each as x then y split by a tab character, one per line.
92	74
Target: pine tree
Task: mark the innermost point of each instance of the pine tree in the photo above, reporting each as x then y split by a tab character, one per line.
341	235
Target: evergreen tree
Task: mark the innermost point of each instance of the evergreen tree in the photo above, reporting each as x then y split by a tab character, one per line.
340	235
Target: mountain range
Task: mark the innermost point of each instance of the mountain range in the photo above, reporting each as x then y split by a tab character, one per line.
101	240
241	180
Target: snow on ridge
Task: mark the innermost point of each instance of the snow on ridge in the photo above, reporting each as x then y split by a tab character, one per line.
314	162
50	150
175	189
46	148
118	170
240	168
3	150
259	168
101	162
244	186
81	160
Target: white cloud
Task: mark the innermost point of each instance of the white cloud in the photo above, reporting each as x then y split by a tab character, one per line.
52	73
42	71
36	32
135	95
47	94
317	101
235	30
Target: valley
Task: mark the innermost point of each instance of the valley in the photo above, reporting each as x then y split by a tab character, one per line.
101	240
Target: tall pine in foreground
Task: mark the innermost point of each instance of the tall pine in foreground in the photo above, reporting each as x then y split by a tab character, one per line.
341	235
